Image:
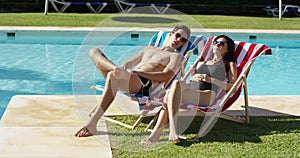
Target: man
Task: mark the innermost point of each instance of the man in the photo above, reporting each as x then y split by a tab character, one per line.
152	64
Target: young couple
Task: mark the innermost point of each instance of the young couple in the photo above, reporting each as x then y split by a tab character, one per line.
154	65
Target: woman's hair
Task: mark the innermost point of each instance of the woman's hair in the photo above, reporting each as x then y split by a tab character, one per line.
184	28
229	57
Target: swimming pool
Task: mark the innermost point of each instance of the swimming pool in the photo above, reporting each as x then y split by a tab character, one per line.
43	62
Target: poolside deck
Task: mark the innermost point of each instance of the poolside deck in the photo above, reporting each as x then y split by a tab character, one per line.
43	125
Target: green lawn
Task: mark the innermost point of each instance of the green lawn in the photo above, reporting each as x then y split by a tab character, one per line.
148	21
263	137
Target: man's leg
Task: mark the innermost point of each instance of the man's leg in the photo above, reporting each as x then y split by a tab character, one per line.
112	85
102	63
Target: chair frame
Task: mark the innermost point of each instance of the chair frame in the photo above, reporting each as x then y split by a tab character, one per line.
275	11
66	4
130	5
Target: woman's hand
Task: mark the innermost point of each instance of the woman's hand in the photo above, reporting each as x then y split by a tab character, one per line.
201	77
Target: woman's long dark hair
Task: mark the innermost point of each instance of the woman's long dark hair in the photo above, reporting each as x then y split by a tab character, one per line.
229	57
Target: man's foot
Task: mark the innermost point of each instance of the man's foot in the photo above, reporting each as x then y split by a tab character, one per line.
85	132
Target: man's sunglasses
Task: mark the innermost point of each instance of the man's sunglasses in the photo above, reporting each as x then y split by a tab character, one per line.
221	43
182	39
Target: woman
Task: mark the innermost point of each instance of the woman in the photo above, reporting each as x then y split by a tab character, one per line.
206	81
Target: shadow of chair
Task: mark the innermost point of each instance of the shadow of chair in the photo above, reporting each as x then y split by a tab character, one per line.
125	6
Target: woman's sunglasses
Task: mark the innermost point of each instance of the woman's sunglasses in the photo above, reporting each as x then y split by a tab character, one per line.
182	39
221	43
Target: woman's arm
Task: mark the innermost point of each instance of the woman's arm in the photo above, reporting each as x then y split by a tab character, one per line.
232	76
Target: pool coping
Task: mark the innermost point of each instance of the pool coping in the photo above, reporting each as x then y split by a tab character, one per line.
57	28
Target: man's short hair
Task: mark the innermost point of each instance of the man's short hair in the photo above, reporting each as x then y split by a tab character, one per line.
184	28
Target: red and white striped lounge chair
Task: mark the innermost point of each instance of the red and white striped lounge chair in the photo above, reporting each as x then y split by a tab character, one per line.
245	54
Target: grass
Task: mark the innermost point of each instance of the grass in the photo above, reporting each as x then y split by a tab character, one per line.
263	137
148	21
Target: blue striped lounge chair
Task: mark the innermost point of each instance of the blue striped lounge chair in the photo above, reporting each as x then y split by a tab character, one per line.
132	100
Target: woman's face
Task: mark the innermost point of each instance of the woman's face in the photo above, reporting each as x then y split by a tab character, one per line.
220	45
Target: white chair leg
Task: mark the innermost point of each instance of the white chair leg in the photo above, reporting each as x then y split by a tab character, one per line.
127	9
63	8
161	10
98	9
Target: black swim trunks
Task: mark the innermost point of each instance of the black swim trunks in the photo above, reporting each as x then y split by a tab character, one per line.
146	84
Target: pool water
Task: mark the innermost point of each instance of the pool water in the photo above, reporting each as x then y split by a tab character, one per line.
44	67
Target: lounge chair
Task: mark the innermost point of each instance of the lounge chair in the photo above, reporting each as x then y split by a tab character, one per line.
127	101
125	6
286	8
99	6
245	53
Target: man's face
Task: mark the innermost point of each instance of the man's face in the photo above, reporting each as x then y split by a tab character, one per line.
178	38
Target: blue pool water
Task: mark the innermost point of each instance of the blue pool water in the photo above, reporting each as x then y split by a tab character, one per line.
45	63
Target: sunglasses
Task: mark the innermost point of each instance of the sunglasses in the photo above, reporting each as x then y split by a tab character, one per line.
220	43
182	39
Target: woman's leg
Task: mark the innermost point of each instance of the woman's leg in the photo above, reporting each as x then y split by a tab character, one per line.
159	126
180	92
198	97
173	102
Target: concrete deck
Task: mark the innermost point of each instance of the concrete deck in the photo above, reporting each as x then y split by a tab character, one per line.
43	125
268	106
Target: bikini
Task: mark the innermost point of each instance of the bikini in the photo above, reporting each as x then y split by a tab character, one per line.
146	84
216	71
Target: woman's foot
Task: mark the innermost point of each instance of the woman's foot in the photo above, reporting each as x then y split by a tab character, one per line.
174	138
150	140
85	132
